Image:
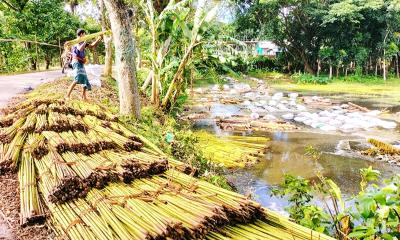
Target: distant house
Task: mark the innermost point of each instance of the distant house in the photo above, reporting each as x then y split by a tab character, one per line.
267	48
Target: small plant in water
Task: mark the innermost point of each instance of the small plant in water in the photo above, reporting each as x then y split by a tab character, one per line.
313	152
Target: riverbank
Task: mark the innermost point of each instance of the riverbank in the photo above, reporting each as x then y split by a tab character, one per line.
362	87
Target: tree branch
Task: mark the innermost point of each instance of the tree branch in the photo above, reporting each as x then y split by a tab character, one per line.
10	6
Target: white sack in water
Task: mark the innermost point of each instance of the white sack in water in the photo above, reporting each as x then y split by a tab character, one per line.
215	87
324	114
277	96
270	117
288	116
270	109
247	103
317	125
232	91
250	95
334	122
300	119
304	114
293	95
254	115
315	98
258	104
226	87
308	122
324	119
373	113
282	107
347	127
272	103
301	107
387	124
328	128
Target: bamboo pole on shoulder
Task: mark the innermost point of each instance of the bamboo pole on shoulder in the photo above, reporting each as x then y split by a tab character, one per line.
86	37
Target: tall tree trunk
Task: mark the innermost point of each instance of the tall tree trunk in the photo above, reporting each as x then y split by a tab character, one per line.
397	66
376	68
48	62
330	71
138	52
33	64
337	71
384	66
307	66
72	5
138	59
107	71
345	72
95	56
318	67
125	57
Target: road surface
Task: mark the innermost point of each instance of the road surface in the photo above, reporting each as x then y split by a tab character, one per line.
12	85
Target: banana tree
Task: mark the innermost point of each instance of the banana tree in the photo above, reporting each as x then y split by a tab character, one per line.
200	17
159	48
174	34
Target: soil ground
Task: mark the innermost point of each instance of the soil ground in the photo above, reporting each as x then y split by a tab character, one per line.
9	213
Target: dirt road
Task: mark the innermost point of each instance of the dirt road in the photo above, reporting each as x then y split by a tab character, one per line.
12	85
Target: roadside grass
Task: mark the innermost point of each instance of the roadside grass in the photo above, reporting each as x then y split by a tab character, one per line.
42	69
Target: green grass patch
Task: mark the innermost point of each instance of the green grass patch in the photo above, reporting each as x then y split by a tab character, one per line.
352	84
206	78
391	87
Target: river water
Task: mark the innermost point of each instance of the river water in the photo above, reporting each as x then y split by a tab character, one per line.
287	155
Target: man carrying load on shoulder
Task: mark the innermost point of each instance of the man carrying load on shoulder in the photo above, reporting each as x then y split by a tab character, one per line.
78	61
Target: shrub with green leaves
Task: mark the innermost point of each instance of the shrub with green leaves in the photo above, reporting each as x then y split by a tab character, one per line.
311	79
375	213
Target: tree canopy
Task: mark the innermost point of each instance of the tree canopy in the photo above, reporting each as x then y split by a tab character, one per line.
348	34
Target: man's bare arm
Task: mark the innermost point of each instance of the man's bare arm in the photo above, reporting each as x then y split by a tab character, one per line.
95	43
82	46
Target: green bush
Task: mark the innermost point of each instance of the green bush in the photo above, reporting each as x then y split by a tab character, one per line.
374	215
310	79
263	63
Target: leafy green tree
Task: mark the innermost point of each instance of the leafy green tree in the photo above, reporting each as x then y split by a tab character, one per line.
42	21
358	33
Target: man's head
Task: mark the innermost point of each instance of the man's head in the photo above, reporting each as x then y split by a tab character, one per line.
80	32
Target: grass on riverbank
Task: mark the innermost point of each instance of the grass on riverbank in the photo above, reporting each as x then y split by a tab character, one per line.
356	85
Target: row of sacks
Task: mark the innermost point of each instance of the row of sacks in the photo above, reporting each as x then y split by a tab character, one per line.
287	107
343	121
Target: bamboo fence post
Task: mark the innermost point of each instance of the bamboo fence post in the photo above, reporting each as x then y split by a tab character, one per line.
37	54
191	81
59	47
